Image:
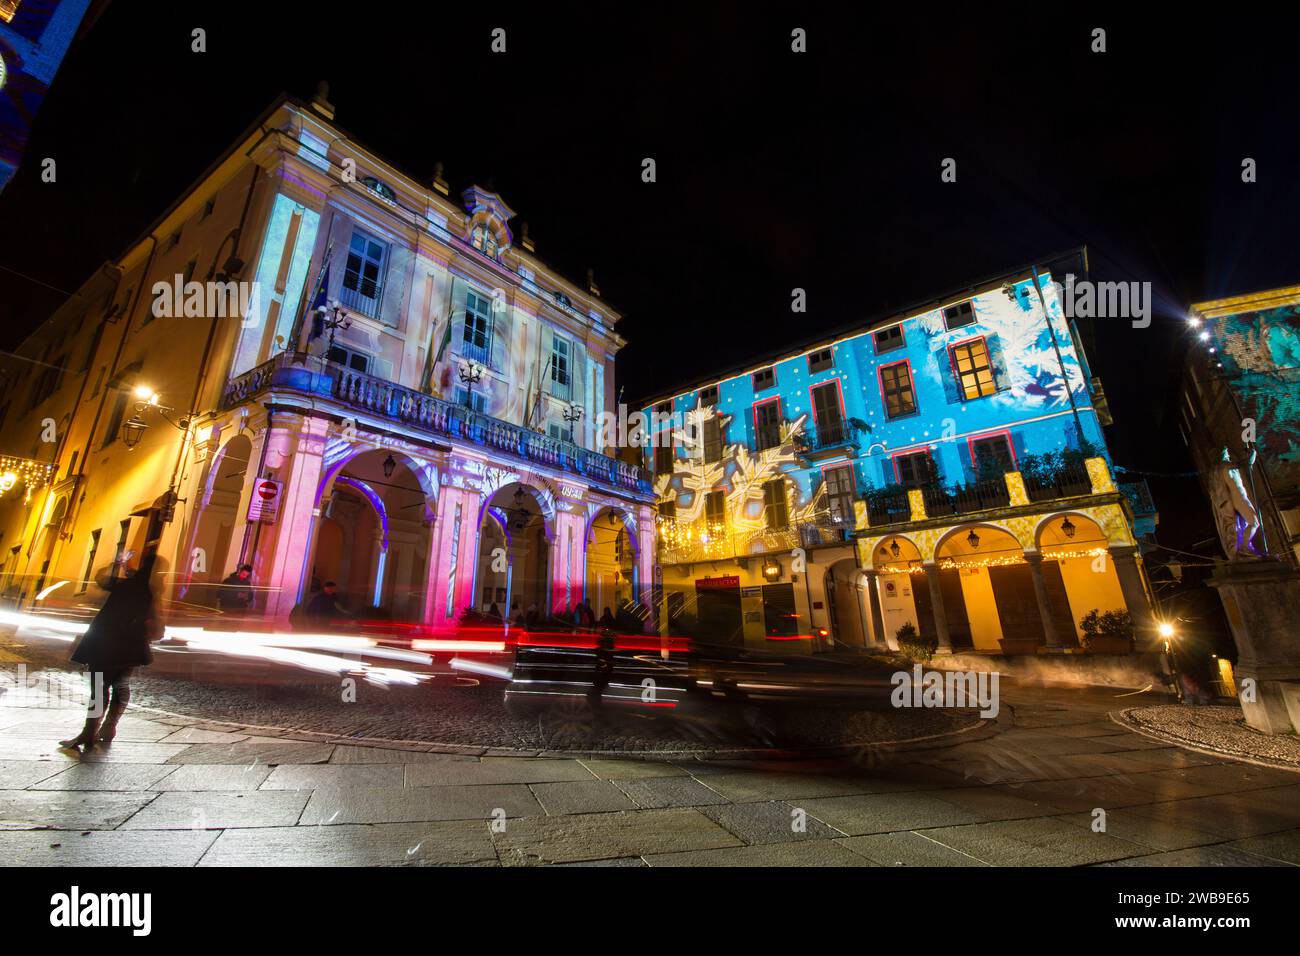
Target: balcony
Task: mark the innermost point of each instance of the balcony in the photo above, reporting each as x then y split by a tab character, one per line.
355	301
966	499
298	373
827	441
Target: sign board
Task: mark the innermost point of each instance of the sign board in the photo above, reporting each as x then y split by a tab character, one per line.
265	503
717	584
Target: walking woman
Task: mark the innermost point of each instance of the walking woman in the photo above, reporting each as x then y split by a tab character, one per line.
116	643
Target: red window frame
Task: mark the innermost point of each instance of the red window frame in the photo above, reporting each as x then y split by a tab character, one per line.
1005	433
839	394
902	339
880	381
766	401
988	355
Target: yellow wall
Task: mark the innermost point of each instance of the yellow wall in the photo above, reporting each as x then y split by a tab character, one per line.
981	609
1088	589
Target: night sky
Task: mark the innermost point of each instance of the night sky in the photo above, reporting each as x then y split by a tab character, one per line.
775	170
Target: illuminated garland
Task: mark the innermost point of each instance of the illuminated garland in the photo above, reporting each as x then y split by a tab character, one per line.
32	474
1006	560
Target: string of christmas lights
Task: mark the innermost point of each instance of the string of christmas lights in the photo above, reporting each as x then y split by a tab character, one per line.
31	474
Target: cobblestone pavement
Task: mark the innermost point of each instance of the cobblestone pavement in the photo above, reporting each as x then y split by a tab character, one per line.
1218	729
182	791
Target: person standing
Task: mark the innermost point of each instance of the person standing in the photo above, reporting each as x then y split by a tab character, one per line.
116	642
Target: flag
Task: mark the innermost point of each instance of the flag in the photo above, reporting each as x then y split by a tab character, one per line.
319	302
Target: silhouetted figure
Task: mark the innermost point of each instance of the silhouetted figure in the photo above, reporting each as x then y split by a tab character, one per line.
326	605
516	615
236	594
531	619
494	612
607	620
116	643
586	616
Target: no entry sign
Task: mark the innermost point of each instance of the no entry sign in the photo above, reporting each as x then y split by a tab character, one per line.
264	505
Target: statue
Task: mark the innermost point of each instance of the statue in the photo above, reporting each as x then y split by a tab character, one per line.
1234	513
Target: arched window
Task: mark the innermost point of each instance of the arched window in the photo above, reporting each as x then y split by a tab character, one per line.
485	241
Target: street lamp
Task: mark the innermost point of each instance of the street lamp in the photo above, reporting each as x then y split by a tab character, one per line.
470	373
334	318
133	428
390	465
973	539
1067	527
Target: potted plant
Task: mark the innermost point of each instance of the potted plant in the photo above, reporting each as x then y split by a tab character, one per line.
912	644
1110	632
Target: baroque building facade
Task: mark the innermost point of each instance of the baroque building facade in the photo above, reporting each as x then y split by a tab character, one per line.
320	366
944	468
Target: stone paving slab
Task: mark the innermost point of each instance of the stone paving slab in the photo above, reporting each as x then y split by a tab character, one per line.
334	776
1283	847
121	751
417	804
17	774
104	848
1145	831
1199	856
196	735
1228	815
69	724
886	812
214	777
495	770
1041	841
106	776
600	836
758	785
255	750
1171	758
581	796
67	809
348	754
385	844
610	769
186	810
659	793
907	849
775	821
812	853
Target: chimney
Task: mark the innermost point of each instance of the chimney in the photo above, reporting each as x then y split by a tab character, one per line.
439	183
525	240
591	282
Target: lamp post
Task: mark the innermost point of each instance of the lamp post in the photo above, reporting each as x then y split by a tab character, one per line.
335	317
573	415
470	373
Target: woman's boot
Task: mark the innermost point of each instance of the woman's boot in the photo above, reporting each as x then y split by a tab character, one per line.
115	710
85	739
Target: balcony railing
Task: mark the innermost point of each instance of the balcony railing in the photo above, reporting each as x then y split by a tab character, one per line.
297	372
888	508
355	301
826	438
1067	481
965	499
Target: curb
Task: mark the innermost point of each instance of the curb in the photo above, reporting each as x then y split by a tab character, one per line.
1123	719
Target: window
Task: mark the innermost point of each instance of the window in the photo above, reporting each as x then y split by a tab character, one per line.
663	459
970	363
915	469
189	270
896	390
477	340
561	385
767	424
764	378
668	509
363	275
357	361
120	553
473	399
776	504
173	241
961	314
992	456
839	493
715	512
821	360
115	417
886	340
661	422
485	241
712	440
709	396
208	206
90	561
826	410
562	431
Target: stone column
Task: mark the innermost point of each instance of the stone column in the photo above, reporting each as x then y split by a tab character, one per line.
1035	561
936	606
567	559
1135	595
283	573
877	613
645	565
452	557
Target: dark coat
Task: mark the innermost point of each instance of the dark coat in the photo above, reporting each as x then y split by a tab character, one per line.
125	626
235	594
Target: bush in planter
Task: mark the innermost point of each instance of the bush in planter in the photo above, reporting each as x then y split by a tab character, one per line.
912	644
1108	628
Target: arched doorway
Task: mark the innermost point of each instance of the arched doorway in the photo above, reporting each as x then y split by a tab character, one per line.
897	561
1074	550
514	553
210	557
847	603
987	594
372	537
611	561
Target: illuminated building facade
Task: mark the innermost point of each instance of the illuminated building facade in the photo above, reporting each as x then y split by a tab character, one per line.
34	36
425	438
931	469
